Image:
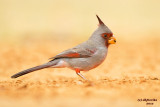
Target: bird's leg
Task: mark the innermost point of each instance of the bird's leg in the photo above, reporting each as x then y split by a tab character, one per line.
89	83
79	74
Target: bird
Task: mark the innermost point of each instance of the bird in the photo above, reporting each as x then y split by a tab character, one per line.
83	57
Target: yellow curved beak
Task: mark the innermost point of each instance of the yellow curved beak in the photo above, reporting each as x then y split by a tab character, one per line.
112	40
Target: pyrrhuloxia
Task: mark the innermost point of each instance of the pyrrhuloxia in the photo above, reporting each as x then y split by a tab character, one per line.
84	56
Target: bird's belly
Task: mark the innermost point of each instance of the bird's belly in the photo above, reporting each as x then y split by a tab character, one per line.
85	64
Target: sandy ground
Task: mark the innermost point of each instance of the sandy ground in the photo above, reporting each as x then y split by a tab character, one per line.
130	73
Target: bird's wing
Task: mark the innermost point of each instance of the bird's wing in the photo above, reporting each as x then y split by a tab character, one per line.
74	53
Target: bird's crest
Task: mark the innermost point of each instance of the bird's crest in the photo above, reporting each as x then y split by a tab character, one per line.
100	21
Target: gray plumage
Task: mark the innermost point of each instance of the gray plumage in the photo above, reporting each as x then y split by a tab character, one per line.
82	57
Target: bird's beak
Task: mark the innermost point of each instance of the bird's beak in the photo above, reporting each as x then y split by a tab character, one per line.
112	40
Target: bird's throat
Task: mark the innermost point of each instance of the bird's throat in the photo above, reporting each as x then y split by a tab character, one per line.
106	43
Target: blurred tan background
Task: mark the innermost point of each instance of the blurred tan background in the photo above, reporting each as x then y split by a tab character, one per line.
76	18
31	31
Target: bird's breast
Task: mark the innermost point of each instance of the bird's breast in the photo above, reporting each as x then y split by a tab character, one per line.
100	55
87	63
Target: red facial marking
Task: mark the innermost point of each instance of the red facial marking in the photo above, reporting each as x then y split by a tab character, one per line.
106	35
107	44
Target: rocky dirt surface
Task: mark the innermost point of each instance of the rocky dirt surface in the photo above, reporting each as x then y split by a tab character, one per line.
129	77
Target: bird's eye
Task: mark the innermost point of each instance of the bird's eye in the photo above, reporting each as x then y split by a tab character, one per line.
105	35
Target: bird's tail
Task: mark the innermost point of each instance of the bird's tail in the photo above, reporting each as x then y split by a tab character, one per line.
32	69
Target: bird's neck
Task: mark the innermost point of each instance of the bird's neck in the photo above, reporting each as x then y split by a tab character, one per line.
106	43
97	41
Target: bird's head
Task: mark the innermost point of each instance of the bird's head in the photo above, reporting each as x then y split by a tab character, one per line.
105	33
